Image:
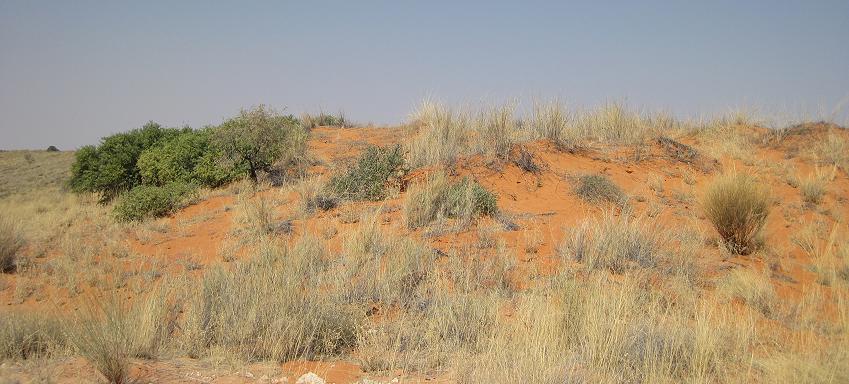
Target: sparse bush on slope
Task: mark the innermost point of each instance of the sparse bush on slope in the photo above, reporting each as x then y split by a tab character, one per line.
438	197
11	242
152	201
737	207
376	171
598	188
260	137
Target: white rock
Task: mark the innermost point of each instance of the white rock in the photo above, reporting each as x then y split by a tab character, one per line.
310	378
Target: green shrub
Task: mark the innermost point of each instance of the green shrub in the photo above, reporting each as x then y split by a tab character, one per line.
258	138
11	243
152	201
370	178
598	188
464	199
325	120
188	157
110	168
737	207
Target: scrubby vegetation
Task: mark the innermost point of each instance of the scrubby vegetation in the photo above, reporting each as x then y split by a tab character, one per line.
440	198
260	137
11	242
152	201
325	120
737	206
378	171
477	271
598	188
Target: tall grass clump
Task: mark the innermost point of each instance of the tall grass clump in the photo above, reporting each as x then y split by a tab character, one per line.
737	207
597	188
325	120
440	198
752	287
616	243
497	131
25	335
613	124
276	306
443	135
813	186
11	243
596	330
552	121
834	150
378	171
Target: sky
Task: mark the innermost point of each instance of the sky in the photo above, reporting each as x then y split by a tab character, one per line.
72	72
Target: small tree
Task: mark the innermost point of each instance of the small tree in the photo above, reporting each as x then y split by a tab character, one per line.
259	137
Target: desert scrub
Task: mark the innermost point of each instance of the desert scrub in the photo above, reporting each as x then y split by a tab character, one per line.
376	172
110	168
616	243
259	138
598	188
150	201
438	197
737	207
813	186
274	306
11	242
325	120
25	335
750	286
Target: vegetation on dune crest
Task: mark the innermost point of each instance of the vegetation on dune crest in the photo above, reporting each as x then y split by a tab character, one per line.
258	138
109	169
438	197
378	171
737	207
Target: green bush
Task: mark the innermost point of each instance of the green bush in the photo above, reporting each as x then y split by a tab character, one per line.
110	168
258	138
376	170
152	201
325	120
598	188
188	157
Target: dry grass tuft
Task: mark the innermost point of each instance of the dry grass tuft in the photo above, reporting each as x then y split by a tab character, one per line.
598	188
617	243
440	198
11	243
737	207
25	335
752	287
813	187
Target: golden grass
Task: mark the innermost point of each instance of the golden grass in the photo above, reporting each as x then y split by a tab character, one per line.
615	243
813	187
752	287
737	207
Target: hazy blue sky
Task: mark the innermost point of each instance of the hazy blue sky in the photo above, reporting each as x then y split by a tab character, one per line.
73	71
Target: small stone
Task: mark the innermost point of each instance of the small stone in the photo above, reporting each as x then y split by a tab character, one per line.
310	378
